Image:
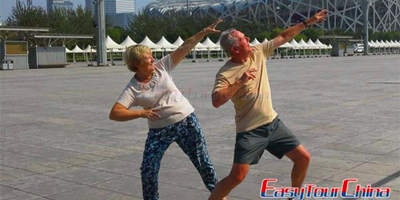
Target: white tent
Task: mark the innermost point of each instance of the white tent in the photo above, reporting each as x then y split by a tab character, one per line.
398	43
303	45
178	42
312	45
165	45
372	44
200	47
320	44
89	49
147	42
393	44
254	42
265	40
294	44
210	44
76	49
386	43
218	43
382	44
286	45
110	44
128	42
67	50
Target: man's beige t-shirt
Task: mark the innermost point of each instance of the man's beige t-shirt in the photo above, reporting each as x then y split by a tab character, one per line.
253	104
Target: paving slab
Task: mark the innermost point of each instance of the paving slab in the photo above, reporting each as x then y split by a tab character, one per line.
57	143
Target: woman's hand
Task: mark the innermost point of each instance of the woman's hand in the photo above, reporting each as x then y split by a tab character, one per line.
150	114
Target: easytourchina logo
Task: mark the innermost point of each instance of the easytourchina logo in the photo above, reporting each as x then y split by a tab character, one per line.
312	191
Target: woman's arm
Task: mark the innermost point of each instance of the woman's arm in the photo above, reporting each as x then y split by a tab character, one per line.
185	48
121	113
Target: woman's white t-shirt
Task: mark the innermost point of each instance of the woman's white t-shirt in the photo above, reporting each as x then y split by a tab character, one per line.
159	93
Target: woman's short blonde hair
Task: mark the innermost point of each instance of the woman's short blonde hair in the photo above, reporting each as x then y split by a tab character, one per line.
134	54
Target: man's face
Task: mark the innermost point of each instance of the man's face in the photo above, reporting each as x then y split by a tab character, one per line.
242	46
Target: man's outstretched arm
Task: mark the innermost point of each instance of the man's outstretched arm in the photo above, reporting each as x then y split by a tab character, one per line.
291	32
185	48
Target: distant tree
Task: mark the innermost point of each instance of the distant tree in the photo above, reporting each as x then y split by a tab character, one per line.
22	15
265	34
276	31
61	21
118	34
313	33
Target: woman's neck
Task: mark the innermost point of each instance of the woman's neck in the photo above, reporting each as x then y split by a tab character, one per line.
142	77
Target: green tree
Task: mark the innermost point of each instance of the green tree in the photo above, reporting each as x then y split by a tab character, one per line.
22	15
276	31
313	33
118	34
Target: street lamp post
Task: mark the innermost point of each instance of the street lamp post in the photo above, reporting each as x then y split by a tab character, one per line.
101	34
365	7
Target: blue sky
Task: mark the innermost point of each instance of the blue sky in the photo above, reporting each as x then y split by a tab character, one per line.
6	7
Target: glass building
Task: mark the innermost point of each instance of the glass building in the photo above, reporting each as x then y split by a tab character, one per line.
118	12
59	4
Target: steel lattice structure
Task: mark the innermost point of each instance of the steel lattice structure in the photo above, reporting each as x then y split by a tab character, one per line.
384	15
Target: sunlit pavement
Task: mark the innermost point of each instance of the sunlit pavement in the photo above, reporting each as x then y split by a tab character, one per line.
58	143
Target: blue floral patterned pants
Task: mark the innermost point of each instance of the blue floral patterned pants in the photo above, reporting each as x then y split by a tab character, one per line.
188	135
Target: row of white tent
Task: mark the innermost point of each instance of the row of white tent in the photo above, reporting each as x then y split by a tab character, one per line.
384	44
299	45
208	45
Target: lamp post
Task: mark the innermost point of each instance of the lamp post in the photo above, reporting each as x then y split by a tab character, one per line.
365	7
101	34
187	7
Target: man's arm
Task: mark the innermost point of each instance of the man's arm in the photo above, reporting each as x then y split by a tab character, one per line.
185	48
291	32
221	96
121	113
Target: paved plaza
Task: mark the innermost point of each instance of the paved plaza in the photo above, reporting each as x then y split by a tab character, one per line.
57	143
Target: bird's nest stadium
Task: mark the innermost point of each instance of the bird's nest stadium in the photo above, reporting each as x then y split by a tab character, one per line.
384	15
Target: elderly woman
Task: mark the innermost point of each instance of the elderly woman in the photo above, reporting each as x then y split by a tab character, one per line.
170	116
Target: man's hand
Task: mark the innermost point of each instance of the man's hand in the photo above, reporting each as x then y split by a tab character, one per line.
318	17
248	75
211	28
150	114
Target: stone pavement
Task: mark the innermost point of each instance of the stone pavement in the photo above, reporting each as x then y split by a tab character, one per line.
57	142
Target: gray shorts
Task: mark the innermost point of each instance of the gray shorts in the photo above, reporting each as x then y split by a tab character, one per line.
274	137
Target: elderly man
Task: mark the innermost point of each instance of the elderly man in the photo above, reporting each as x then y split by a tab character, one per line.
244	81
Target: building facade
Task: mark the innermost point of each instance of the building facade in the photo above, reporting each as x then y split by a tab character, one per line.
118	12
59	4
383	15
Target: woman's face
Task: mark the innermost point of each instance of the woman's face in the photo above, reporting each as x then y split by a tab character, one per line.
146	65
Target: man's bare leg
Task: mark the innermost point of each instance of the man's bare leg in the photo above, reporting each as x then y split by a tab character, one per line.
224	187
301	159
